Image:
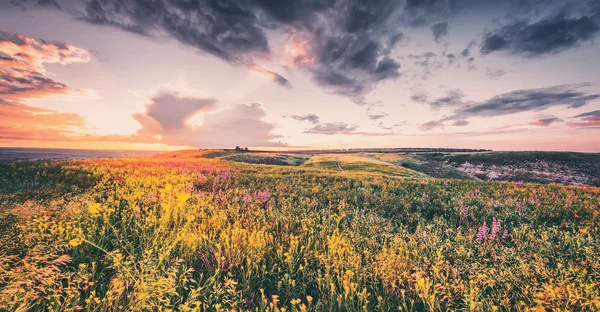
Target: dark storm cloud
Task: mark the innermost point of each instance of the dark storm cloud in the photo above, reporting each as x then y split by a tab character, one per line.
24	4
548	36
439	30
545	122
226	29
352	63
312	118
527	100
350	40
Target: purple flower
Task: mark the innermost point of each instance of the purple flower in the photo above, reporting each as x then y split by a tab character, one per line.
495	228
262	196
482	233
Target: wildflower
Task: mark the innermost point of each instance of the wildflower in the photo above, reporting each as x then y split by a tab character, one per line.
446	183
94	208
482	233
190	218
505	234
247	198
262	196
75	242
495	228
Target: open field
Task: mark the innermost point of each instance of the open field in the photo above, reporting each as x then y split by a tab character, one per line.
191	233
567	168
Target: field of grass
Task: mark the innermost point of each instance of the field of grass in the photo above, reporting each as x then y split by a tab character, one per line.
419	163
268	159
187	233
358	163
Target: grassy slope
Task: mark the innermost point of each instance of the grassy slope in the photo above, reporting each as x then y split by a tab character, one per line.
432	168
358	163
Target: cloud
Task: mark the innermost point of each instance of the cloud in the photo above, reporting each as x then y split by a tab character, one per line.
172	111
230	30
452	98
345	44
269	75
341	128
461	123
24	4
586	120
420	97
23	122
312	118
333	128
495	74
351	64
545	122
527	100
22	72
439	30
168	120
431	125
377	116
550	35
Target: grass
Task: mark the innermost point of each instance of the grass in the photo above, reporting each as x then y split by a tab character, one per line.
268	159
357	163
205	234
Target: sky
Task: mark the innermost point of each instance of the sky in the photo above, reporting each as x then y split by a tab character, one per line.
174	74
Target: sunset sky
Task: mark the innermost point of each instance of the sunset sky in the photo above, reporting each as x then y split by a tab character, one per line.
172	74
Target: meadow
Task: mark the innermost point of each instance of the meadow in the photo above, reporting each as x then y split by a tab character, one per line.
180	233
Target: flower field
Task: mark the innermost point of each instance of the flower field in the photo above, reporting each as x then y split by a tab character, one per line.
155	234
